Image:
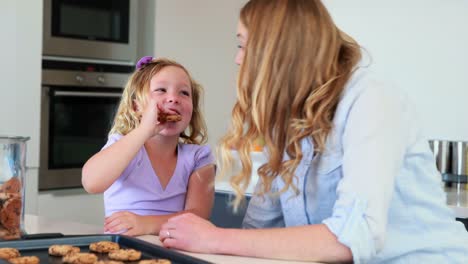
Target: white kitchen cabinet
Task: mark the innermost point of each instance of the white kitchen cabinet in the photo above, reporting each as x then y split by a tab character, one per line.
72	205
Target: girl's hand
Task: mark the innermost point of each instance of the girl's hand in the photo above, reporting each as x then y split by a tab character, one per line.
127	223
149	120
190	232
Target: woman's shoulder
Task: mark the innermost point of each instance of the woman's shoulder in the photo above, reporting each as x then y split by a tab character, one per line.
368	96
362	80
368	86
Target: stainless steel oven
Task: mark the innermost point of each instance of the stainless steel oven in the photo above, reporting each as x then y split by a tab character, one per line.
78	104
103	29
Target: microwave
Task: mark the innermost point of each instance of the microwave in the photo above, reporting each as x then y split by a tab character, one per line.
90	29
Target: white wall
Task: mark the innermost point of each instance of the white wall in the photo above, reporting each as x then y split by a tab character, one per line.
422	46
202	36
146	22
20	63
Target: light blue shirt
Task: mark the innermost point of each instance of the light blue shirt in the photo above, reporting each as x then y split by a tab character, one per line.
376	186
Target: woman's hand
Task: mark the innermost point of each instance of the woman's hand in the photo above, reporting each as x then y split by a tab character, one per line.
190	232
127	223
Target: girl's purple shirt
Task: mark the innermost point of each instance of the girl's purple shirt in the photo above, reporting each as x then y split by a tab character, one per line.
138	189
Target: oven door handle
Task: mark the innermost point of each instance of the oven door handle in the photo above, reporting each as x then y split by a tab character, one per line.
87	94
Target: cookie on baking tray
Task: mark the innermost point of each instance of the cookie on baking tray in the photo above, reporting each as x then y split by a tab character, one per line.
62	250
109	262
8	253
104	246
80	258
154	261
125	255
24	260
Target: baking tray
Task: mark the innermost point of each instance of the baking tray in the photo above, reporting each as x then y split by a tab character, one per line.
34	246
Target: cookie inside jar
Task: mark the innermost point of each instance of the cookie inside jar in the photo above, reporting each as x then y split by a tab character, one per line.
11	209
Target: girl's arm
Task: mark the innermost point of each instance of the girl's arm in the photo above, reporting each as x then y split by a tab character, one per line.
200	193
310	243
103	169
135	225
199	200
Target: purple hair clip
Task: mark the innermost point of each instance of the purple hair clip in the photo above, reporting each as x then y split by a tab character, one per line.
143	61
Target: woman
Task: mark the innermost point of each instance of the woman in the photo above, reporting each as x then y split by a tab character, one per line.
349	177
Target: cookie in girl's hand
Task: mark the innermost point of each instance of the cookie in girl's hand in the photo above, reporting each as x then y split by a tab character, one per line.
164	117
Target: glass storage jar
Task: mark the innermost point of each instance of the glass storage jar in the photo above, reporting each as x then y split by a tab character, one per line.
12	187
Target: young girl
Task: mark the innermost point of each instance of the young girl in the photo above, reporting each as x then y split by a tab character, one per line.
152	166
348	178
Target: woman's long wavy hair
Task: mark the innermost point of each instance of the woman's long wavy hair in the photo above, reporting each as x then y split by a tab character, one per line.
136	91
295	68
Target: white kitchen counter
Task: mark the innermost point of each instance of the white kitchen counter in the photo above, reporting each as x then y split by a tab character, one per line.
35	224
